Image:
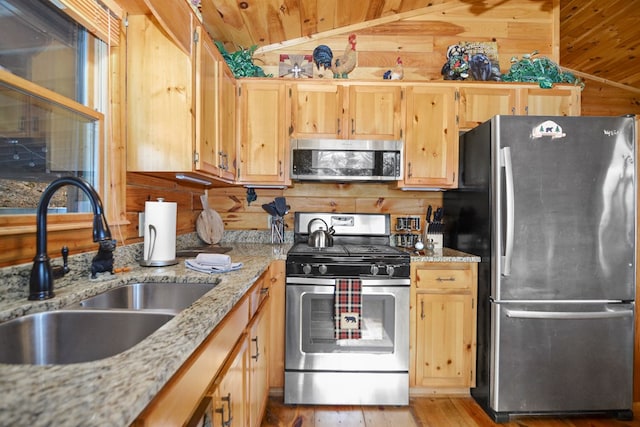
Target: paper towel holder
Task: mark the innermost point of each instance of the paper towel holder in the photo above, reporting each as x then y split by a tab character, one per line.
147	259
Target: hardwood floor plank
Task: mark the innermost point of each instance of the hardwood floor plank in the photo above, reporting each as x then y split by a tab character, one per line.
331	416
389	416
421	412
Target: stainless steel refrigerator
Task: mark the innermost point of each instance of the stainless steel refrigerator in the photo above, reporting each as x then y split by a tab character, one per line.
549	204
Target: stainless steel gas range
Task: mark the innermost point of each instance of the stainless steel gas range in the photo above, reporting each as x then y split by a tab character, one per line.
347	313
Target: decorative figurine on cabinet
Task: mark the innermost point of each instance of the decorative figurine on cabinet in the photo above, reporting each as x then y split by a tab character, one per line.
457	65
322	57
345	64
397	73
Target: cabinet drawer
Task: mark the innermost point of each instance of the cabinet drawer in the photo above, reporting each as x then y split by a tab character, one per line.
444	278
257	294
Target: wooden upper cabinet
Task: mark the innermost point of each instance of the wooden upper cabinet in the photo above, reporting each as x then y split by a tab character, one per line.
346	111
557	101
206	79
262	124
431	141
374	112
316	110
478	102
214	111
160	121
227	126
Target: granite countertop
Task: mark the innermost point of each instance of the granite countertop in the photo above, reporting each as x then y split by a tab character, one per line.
443	255
113	391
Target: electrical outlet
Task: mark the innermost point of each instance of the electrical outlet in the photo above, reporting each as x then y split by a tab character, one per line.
140	224
269	221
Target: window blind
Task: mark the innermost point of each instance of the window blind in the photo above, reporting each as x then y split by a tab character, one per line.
101	19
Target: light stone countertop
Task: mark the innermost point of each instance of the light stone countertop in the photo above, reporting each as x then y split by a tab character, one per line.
113	391
443	255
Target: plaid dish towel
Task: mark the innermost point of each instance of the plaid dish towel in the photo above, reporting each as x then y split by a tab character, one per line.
348	309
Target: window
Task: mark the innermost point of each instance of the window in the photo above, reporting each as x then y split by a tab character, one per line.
52	83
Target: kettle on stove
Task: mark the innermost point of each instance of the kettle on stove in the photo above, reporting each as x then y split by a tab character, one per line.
320	238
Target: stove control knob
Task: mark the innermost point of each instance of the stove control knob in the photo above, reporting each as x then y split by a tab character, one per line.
374	269
306	269
390	270
322	269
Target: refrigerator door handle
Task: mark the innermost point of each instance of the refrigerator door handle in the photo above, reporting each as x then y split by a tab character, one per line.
509	203
569	315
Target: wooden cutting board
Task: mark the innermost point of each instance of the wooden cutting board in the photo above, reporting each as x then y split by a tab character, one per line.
209	225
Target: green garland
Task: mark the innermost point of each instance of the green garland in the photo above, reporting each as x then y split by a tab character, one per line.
241	62
538	70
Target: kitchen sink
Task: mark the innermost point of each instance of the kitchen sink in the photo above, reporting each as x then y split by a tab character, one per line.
74	336
170	297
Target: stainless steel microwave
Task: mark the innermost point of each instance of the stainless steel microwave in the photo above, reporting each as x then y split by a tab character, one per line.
346	160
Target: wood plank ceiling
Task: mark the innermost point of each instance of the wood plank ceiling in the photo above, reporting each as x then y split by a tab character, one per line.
598	38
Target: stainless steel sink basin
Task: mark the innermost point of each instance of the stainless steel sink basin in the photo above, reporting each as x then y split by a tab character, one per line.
172	297
73	336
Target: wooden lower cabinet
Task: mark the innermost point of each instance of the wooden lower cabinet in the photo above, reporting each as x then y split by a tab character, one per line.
226	381
258	369
276	338
228	396
443	327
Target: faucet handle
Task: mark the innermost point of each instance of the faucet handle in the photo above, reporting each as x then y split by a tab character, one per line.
59	271
65	255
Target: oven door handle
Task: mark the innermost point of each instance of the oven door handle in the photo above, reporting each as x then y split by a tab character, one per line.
392	281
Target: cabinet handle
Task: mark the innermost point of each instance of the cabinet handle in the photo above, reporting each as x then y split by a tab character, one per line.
409	174
446	279
227	400
422	310
255	356
280	166
264	291
526	110
353	126
338	120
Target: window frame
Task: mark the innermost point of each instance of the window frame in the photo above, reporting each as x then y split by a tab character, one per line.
111	173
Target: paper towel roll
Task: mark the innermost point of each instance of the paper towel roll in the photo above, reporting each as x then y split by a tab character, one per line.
159	233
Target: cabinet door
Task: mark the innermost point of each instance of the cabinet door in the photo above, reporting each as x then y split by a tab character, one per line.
478	104
227	114
229	398
374	112
444	344
160	117
258	364
431	143
558	101
262	138
316	110
206	92
276	337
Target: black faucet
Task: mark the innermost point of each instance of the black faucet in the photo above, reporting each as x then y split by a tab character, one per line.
41	281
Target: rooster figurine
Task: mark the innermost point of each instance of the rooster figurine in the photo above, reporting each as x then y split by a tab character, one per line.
322	56
397	73
343	65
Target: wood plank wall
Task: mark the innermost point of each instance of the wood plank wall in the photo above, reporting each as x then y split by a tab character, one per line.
239	214
602	99
421	39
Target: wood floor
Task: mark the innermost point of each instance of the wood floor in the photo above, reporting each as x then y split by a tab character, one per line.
422	412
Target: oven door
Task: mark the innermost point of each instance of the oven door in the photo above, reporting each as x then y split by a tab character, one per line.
310	341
